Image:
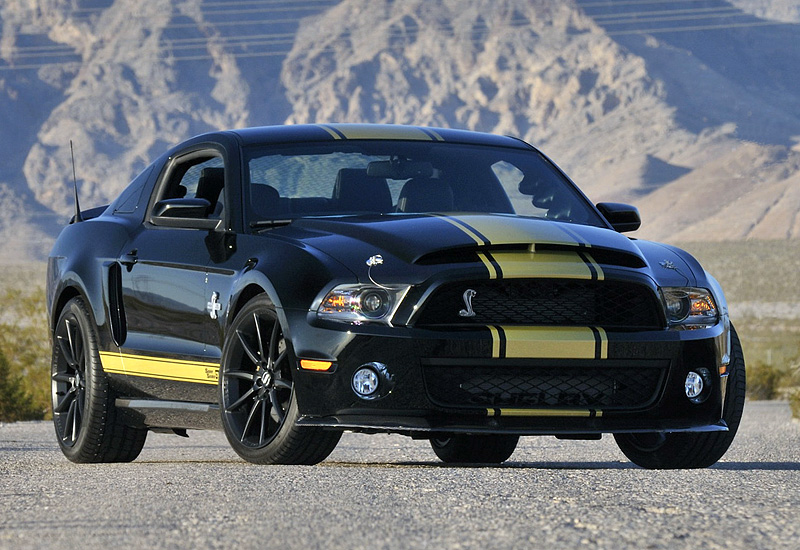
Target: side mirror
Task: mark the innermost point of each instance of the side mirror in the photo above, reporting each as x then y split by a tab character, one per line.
622	217
183	212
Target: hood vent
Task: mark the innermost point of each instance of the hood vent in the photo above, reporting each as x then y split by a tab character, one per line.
465	254
462	255
603	256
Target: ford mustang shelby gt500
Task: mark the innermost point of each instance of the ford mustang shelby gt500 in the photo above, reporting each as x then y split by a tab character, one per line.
286	284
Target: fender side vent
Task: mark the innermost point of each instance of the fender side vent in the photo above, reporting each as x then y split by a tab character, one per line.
116	310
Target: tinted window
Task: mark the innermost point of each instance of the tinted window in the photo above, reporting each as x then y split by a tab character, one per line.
197	176
396	177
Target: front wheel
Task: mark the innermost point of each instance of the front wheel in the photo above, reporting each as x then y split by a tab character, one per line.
481	449
258	403
692	450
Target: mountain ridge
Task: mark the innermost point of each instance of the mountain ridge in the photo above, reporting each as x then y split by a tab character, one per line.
699	128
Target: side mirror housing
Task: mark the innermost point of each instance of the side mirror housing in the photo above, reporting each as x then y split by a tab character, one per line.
184	212
622	217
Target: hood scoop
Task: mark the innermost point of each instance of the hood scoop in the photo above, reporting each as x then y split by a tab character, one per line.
469	254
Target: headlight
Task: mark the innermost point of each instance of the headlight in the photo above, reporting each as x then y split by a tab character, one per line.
361	303
689	307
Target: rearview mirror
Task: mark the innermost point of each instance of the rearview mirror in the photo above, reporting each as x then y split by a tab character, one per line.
400	169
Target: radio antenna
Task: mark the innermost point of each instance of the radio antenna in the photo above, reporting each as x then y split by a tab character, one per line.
78	217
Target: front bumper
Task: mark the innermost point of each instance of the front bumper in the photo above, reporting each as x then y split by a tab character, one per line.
521	380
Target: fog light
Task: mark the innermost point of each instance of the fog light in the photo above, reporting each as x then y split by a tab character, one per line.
366	382
694	385
698	385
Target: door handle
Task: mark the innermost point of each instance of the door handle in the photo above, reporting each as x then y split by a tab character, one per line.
129	259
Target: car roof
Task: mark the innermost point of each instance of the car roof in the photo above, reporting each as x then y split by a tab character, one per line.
333	132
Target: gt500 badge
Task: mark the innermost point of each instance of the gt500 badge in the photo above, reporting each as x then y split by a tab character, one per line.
469	294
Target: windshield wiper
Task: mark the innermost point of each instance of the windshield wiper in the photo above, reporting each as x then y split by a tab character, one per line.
268	224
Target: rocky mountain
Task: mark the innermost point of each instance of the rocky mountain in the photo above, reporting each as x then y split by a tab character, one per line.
687	109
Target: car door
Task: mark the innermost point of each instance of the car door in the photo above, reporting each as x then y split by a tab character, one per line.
168	316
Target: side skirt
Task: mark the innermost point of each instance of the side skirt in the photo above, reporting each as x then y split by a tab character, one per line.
154	413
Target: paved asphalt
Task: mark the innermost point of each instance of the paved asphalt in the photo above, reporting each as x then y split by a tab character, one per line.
380	491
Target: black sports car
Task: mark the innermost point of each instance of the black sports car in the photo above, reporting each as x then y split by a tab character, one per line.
287	283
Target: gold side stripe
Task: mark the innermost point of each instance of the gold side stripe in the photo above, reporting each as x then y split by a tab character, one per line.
515	342
159	367
544	412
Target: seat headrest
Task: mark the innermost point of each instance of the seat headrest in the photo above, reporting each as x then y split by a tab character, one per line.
211	182
356	191
425	195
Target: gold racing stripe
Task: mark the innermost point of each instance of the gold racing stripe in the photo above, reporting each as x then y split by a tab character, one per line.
480	240
493	272
367	131
516	342
496	341
487	230
334	134
497	230
548	264
584	413
159	367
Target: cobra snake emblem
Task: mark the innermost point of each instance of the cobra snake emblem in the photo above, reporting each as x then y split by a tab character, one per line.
469	294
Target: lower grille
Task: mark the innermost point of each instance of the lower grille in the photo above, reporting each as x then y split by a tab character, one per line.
596	387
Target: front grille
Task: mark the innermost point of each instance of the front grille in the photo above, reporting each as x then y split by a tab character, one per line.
559	386
561	302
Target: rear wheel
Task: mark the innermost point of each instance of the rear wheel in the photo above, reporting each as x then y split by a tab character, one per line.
485	449
88	426
692	450
259	408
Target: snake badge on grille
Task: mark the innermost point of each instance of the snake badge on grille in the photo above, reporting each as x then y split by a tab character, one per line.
469	294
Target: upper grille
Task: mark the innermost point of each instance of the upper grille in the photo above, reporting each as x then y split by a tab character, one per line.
562	302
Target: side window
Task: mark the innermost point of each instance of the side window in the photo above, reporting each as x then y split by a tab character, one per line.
201	177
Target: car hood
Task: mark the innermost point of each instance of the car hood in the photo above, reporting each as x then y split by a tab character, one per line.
411	237
417	240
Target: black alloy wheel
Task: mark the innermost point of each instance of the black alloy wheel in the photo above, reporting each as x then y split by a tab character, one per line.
69	380
258	405
87	424
664	451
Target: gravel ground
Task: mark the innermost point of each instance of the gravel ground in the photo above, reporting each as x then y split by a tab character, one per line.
385	491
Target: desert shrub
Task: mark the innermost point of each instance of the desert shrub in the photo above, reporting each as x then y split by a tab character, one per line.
25	352
763	381
15	401
794	403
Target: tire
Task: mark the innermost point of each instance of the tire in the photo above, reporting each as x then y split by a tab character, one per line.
692	450
479	449
88	426
257	399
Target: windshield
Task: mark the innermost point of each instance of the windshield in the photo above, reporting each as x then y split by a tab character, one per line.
401	177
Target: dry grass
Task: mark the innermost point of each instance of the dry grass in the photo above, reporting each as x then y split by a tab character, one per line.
760	280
